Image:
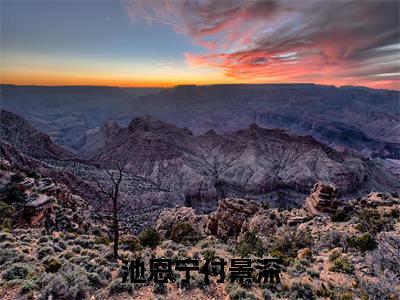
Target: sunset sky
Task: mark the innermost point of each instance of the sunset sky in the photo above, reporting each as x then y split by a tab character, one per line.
166	43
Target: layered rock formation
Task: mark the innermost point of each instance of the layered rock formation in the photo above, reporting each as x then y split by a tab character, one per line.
41	201
362	119
234	217
322	200
268	165
28	140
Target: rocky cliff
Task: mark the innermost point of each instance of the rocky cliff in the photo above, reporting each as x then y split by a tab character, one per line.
268	165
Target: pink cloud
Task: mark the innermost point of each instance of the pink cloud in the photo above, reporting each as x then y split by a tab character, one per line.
335	42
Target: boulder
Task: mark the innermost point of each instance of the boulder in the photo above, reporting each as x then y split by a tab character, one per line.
322	200
179	214
230	216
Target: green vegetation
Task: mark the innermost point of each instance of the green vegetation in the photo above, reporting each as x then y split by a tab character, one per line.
149	238
340	215
363	243
250	244
371	221
286	243
342	265
51	264
6	213
183	233
300	290
17	271
118	287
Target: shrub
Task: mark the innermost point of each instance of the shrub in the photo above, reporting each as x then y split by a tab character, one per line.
171	245
16	178
31	173
371	221
76	249
340	215
394	213
95	280
6	214
102	240
342	265
7	245
44	239
10	256
17	271
159	288
28	285
85	241
209	254
363	243
45	251
51	264
67	254
250	244
183	233
287	243
118	287
168	253
14	195
130	243
345	296
334	255
238	293
69	283
300	290
300	266
149	238
6	237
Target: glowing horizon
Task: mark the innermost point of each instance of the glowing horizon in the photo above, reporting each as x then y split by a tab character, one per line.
135	43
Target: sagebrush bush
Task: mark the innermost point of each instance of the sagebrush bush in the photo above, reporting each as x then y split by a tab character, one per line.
10	256
159	288
372	222
44	239
250	244
286	243
28	285
51	264
129	243
363	242
6	215
149	238
69	283
334	254
300	290
76	249
340	215
171	245
183	233
238	293
17	271
342	265
95	280
44	251
118	287
102	240
6	237
209	254
85	241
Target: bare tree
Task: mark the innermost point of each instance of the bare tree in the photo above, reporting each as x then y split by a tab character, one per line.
111	192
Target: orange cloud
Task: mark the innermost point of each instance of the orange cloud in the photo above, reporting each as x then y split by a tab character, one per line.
335	42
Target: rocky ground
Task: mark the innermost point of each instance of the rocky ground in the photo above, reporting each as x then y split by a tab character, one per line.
329	249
